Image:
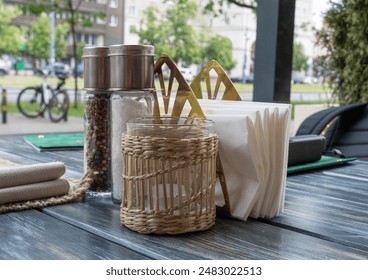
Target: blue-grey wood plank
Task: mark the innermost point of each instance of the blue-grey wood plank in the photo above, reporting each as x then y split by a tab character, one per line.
331	204
228	239
324	210
358	170
34	235
15	149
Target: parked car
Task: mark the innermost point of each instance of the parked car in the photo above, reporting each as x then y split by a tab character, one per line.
297	80
310	80
304	80
59	69
187	74
4	67
248	79
80	70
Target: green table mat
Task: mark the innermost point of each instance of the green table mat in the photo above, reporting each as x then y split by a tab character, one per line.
325	161
53	142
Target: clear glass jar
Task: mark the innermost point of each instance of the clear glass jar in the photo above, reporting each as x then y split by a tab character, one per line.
132	84
97	143
170	169
97	156
125	106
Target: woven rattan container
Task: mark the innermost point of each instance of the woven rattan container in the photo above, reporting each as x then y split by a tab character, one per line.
169	178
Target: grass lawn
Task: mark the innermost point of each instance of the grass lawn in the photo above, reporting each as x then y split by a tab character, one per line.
249	87
79	111
294	88
76	112
23	81
73	112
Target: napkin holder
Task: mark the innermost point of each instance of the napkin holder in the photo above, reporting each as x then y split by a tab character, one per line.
191	93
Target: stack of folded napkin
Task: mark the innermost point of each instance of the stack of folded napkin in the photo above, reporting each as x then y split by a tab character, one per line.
253	146
31	182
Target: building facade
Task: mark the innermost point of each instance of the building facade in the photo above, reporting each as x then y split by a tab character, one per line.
238	24
109	30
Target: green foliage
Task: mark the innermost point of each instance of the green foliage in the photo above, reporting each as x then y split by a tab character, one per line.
219	48
299	58
73	17
345	39
154	31
39	39
80	48
183	38
62	7
10	34
172	33
215	7
70	8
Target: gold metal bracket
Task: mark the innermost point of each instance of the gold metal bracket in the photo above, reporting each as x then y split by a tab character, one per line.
230	92
184	91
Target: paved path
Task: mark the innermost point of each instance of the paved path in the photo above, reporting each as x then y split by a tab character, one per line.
18	124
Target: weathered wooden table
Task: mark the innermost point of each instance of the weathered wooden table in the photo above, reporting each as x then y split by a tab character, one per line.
325	217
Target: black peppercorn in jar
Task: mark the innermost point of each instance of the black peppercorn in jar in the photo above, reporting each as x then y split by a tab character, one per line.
97	141
97	155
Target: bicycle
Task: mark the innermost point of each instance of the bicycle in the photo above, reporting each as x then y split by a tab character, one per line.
32	102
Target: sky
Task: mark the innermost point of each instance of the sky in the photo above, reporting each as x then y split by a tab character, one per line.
319	6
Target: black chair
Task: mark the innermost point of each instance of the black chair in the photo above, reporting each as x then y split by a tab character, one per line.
345	129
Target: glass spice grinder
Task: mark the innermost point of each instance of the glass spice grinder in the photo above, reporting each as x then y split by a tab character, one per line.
132	87
97	154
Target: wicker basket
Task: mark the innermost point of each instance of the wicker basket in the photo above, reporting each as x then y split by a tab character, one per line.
169	184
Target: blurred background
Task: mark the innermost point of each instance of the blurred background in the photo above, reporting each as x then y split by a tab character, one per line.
47	37
203	29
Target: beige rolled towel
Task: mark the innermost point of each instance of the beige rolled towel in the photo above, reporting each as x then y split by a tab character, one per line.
29	174
34	191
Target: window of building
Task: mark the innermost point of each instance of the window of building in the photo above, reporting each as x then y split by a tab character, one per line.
78	37
131	10
93	40
227	19
113	21
113	3
100	20
88	39
132	28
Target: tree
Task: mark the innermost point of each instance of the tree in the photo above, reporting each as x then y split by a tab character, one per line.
216	5
172	32
219	48
70	9
154	31
300	60
39	39
183	38
10	35
344	37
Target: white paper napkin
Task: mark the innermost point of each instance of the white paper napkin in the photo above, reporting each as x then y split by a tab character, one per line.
253	148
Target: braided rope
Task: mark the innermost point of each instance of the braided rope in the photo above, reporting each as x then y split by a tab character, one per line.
76	192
